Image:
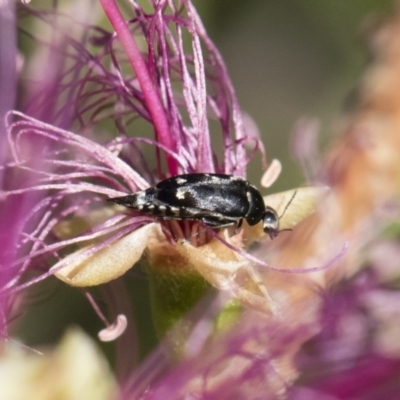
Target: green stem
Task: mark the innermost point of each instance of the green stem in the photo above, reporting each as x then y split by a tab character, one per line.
174	291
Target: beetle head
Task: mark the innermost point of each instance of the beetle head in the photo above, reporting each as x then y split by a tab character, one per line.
271	222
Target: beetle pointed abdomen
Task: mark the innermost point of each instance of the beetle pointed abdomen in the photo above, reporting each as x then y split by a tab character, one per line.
137	200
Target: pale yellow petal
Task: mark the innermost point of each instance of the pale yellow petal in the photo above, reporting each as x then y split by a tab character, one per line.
303	202
214	261
74	370
227	270
109	263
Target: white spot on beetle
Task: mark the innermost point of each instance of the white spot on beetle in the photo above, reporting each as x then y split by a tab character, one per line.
141	199
174	210
180	193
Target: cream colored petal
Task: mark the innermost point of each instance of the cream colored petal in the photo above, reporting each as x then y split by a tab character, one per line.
74	370
226	270
110	262
214	261
303	202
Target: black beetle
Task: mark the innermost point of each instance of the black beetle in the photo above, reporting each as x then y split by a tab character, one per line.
215	199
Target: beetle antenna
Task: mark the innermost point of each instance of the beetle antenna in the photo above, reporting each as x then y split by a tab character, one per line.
287	205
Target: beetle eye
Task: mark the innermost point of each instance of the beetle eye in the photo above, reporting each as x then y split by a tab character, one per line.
271	222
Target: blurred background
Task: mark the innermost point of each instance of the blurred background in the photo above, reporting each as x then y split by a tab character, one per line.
287	59
290	59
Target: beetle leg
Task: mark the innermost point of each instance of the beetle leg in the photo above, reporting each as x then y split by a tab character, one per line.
238	225
215	224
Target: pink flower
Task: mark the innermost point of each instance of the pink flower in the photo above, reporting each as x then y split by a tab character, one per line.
174	91
112	113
